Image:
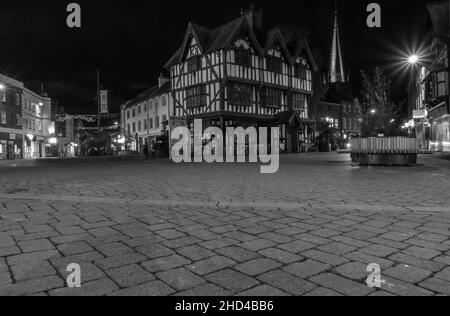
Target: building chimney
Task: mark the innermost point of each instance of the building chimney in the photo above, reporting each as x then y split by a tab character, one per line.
254	17
162	80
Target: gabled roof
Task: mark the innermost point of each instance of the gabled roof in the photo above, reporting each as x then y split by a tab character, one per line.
275	36
292	46
216	39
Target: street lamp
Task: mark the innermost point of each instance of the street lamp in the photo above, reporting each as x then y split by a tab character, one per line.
373	111
2	86
414	59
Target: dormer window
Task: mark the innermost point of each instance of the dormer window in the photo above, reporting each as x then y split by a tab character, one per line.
194	64
274	64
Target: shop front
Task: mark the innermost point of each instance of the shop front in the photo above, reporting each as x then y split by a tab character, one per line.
10	146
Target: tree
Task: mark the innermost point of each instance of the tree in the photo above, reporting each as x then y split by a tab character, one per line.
380	114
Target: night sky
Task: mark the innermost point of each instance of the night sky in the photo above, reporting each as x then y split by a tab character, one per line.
131	40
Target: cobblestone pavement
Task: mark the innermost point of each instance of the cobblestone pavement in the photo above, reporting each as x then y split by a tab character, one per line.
155	228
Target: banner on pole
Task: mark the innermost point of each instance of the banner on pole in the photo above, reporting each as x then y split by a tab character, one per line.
104	109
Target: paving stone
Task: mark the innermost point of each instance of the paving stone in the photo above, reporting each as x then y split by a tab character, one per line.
154	251
336	248
33	270
258	244
422	253
417	262
368	259
32	286
378	250
287	282
89	272
181	242
154	288
130	275
165	263
263	291
280	255
114	249
277	238
95	288
408	273
306	269
210	265
33	257
181	279
428	244
170	234
5	279
313	239
120	261
3	265
324	257
341	285
9	251
257	266
218	243
297	246
350	241
143	241
237	254
444	275
326	233
396	236
74	248
196	252
354	271
401	288
231	280
323	292
79	259
207	290
437	285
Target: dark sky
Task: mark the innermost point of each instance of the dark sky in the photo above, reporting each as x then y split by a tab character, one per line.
131	40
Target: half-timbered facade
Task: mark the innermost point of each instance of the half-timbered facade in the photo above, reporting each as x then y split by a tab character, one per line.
232	76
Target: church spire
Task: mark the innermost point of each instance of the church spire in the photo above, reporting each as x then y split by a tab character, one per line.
337	72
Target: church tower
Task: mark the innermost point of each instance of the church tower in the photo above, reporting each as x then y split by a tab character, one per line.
336	71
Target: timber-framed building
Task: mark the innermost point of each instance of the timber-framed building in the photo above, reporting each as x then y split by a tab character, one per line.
238	75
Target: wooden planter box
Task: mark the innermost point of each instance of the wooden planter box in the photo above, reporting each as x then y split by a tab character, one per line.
392	151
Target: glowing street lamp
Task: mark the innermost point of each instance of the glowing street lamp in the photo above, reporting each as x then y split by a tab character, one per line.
414	59
2	86
373	111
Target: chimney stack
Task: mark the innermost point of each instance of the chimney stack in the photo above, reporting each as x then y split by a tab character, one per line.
254	17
